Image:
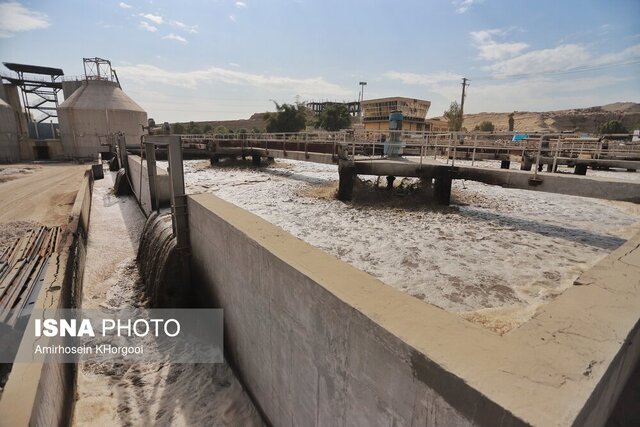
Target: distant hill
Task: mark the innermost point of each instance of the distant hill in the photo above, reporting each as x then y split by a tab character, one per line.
577	119
256	121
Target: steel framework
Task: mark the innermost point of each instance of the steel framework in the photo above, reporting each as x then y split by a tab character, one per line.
99	69
32	81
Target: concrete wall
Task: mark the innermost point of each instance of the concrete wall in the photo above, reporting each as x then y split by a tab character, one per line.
142	191
13	99
585	186
70	86
42	394
28	151
318	342
308	356
9	144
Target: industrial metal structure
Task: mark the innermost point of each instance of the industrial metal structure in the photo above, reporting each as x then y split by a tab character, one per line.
362	153
96	109
43	83
317	107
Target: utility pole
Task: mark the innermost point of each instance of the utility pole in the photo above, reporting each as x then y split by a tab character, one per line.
464	86
362	85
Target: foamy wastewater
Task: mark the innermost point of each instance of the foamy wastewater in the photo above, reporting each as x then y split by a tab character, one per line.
164	394
494	256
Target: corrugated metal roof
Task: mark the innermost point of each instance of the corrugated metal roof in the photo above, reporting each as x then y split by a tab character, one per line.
34	69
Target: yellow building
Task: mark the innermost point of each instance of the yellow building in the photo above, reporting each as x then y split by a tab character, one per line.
375	113
438	125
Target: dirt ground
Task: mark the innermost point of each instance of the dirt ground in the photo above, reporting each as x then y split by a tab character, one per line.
580	119
42	193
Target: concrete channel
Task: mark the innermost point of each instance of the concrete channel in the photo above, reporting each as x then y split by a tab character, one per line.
151	393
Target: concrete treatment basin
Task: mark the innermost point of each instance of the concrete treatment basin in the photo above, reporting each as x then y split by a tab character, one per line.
495	257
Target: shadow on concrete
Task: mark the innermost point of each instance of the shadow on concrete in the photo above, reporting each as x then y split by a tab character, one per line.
128	206
627	410
584	237
294	176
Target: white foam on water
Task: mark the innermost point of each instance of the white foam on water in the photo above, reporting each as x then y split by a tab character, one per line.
167	394
494	257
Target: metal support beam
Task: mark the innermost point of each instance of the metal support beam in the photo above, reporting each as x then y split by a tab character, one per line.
526	164
150	152
390	180
345	185
122	153
178	194
442	190
580	169
179	218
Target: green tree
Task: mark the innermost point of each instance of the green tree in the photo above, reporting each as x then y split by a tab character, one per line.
612	126
207	129
511	122
194	128
178	128
485	126
221	129
334	117
287	118
454	117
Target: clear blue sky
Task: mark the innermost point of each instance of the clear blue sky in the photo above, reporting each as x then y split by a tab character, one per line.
225	59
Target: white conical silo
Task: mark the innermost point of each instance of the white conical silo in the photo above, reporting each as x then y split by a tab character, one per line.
9	143
95	110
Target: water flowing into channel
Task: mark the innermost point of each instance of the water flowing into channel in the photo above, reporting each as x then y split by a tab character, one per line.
164	269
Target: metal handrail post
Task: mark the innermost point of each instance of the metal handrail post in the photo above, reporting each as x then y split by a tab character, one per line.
535	172
473	155
150	151
555	157
178	193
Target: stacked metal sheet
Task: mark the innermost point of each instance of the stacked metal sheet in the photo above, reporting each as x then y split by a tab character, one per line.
22	270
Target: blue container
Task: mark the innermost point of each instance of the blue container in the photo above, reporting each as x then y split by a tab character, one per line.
394	147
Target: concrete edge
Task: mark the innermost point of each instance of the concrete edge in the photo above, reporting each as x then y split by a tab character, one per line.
32	395
139	174
386	308
600	318
505	371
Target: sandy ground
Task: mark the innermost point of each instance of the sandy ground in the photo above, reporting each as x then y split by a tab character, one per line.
582	119
494	256
41	193
36	194
143	394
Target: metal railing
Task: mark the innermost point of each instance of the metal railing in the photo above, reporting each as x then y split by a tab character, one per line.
365	144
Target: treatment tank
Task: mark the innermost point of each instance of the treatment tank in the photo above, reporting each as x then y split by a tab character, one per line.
9	143
95	110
